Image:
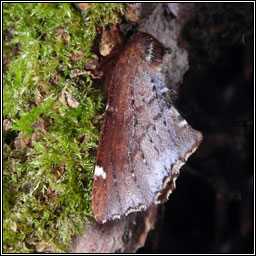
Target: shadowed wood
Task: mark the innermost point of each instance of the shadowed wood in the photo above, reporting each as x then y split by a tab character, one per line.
144	141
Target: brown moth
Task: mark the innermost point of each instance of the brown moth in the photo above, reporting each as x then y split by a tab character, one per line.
144	141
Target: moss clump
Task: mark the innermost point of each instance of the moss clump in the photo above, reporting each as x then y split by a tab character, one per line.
49	151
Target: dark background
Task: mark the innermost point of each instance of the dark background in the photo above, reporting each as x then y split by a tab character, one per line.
212	208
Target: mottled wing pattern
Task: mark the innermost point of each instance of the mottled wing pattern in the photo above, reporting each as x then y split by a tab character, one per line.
143	142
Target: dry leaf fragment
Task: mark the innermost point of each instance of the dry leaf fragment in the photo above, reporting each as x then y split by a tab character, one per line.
61	33
40	125
6	124
40	93
21	143
71	101
67	99
81	6
77	56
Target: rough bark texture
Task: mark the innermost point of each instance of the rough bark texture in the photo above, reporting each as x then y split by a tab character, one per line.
211	210
125	235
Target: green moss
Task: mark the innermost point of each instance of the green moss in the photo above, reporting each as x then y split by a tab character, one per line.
47	184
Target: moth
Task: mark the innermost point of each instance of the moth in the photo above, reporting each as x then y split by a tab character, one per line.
144	140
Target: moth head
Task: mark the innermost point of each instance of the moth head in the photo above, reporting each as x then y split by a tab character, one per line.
148	48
